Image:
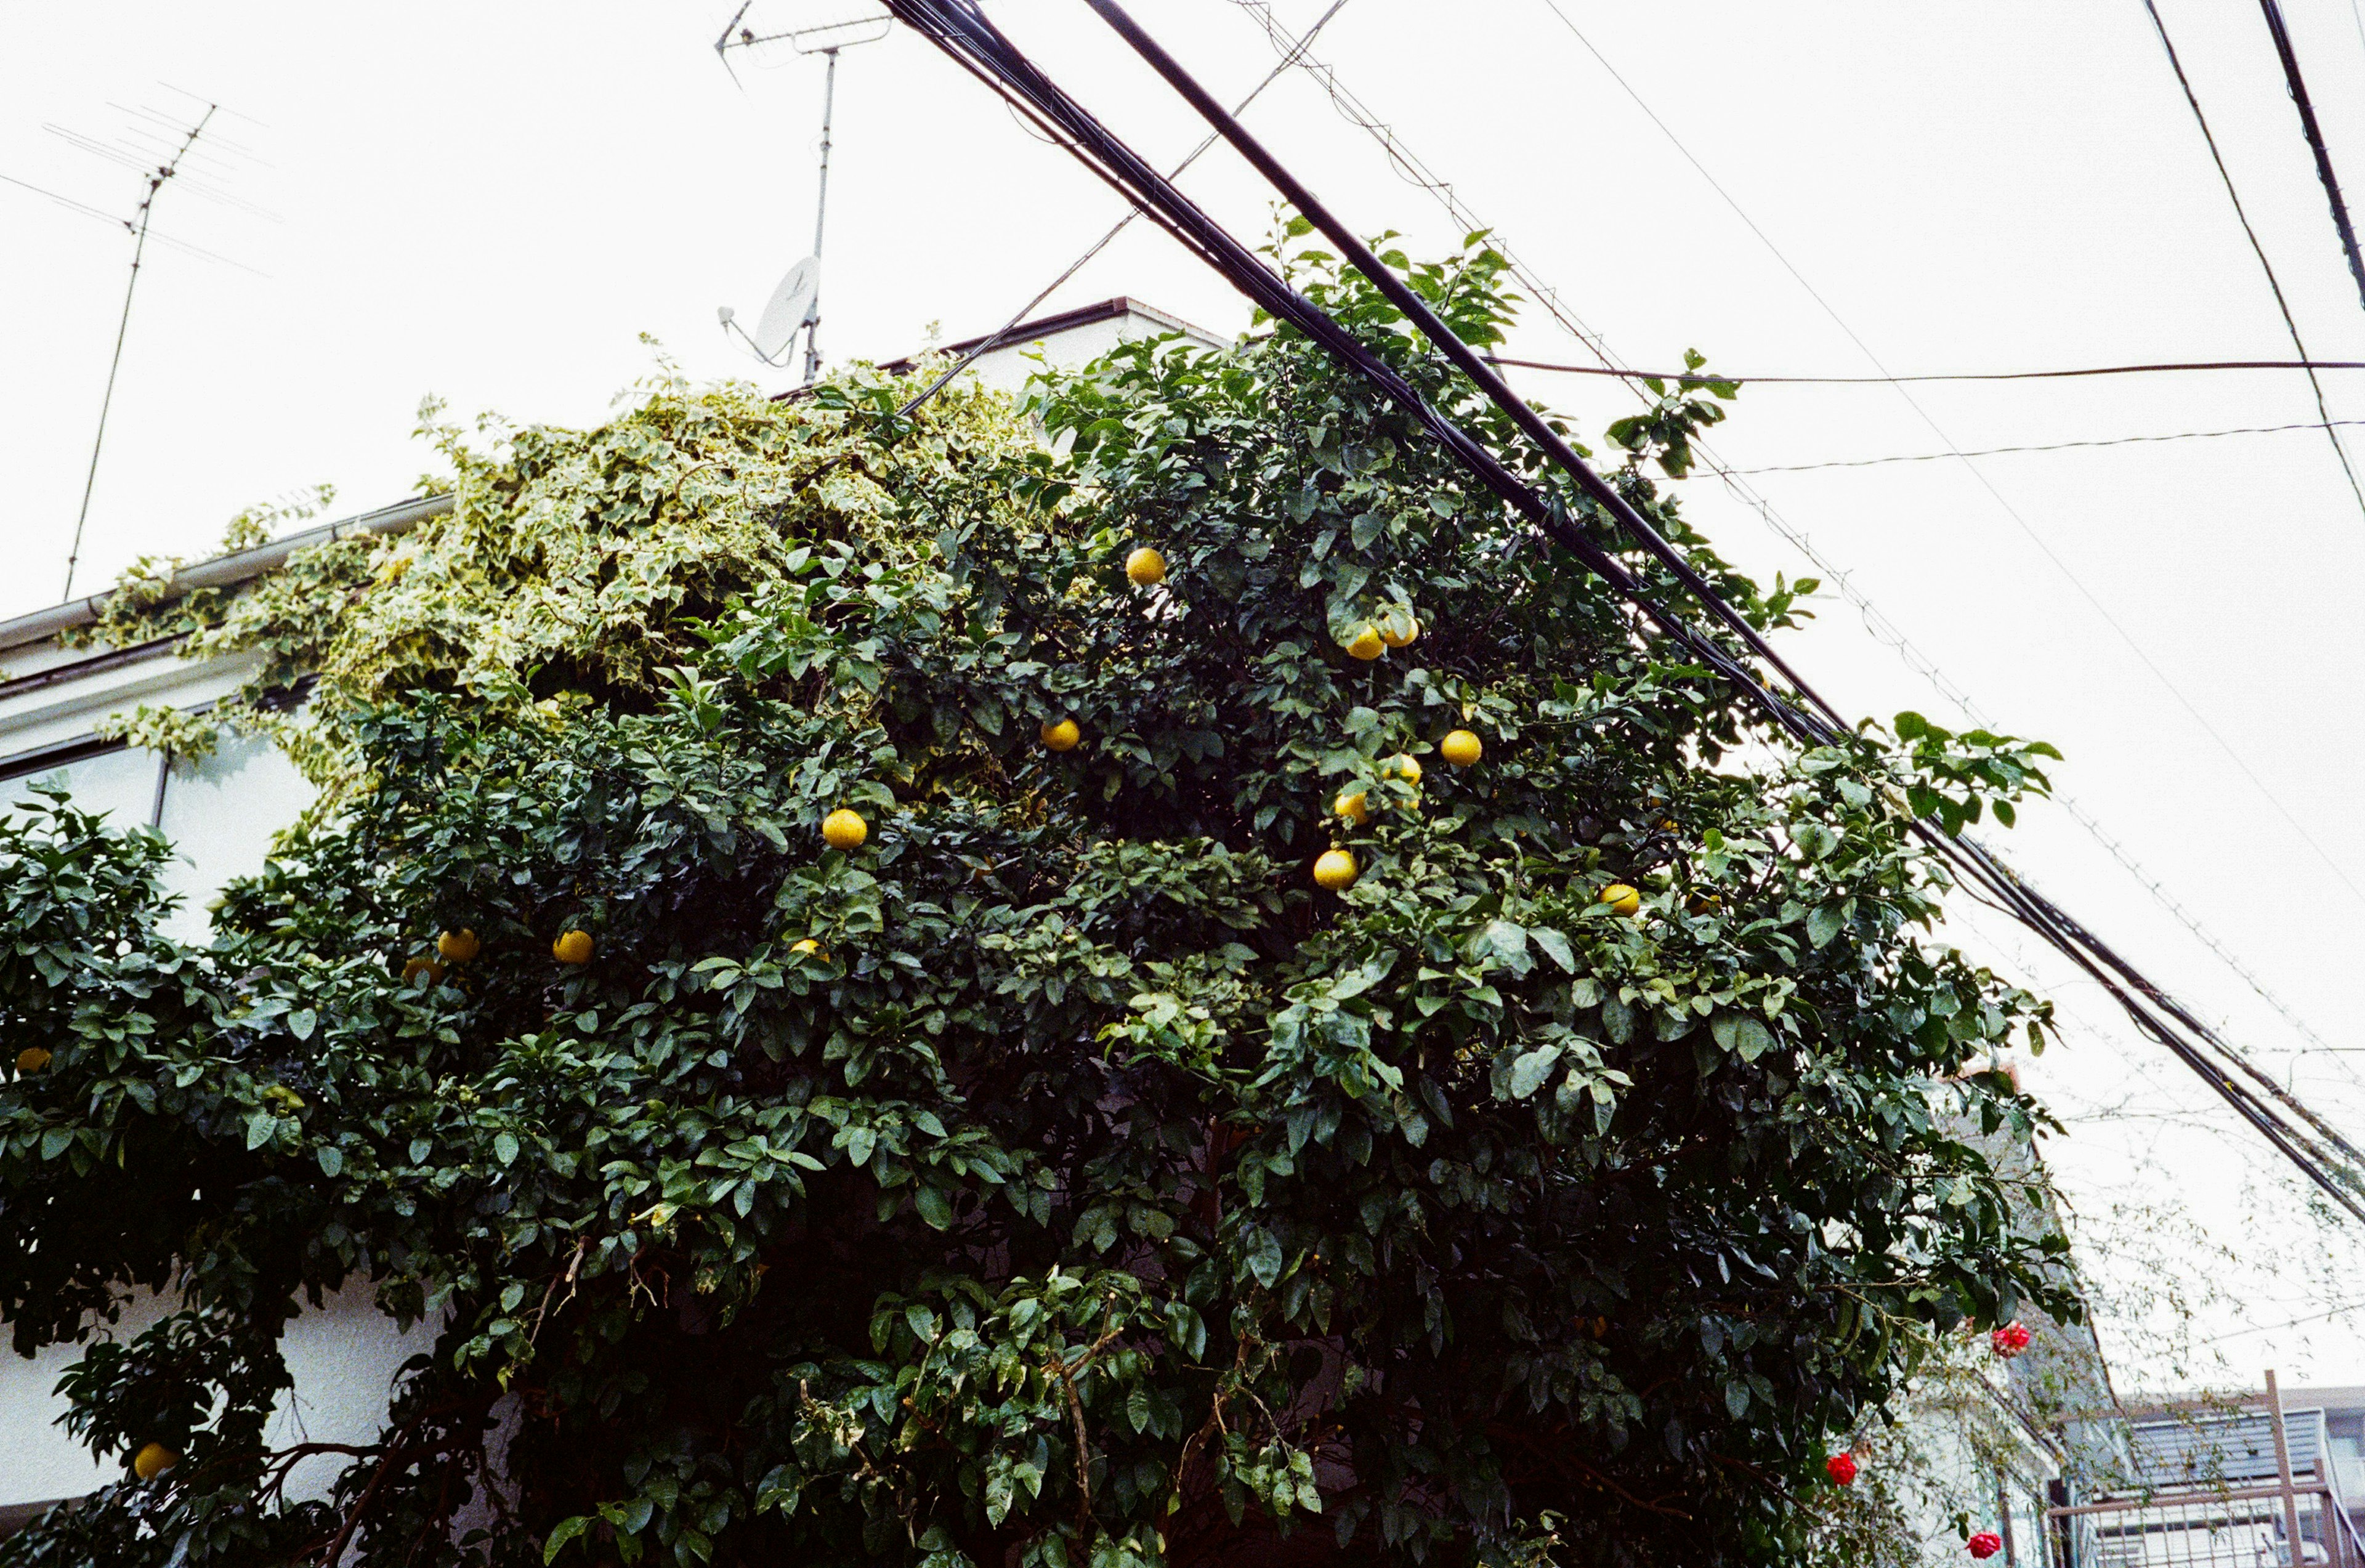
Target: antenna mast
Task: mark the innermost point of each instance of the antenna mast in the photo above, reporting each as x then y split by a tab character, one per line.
802	288
821	211
156	179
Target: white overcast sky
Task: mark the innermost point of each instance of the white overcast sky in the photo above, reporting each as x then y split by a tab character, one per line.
490	202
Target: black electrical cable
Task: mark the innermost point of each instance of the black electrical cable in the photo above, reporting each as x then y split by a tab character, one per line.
961	29
1417	171
1009	328
964	32
2314	134
2258	249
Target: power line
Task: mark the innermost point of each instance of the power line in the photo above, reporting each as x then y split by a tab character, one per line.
1702	378
2314	134
987	344
1412	168
2045	446
1953	449
962	30
2234	196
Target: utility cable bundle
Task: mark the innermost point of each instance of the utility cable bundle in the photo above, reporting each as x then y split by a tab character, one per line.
961	29
1416	172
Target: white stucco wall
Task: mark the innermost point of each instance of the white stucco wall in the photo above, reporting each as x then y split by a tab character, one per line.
342	1357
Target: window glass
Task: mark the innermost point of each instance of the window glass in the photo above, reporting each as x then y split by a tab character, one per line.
121	783
221	814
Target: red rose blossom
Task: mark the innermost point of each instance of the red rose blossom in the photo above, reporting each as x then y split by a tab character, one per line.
1841	1467
1985	1544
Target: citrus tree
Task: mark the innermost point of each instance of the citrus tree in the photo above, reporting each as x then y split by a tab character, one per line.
1146	977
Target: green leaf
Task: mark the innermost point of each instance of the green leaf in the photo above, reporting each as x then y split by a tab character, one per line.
1824	922
332	1160
1742	1035
505	1147
1529	1072
1264	1259
568	1530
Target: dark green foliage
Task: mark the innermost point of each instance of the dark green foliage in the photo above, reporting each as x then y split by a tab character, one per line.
1094	1189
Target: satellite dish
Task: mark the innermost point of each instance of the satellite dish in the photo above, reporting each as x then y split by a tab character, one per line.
790	309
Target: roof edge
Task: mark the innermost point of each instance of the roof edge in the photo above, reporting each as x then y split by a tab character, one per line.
222	570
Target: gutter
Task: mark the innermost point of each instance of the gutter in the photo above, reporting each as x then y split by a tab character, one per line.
223	570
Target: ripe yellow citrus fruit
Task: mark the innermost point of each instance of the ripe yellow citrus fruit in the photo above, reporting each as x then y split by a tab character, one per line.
152	1461
1063	735
459	947
1366	644
844	829
1400	627
1622	898
1401	767
810	946
414	968
1146	567
1336	869
1460	749
572	947
32	1058
1352	805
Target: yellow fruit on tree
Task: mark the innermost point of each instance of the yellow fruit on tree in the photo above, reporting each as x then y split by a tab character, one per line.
810	946
152	1461
32	1058
572	947
1352	805
1401	767
844	829
1622	898
1460	749
458	946
1146	567
412	969
1335	869
1366	644
1400	627
1063	735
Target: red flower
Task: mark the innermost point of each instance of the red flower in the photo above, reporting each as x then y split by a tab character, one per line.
1841	1467
1985	1544
2009	1340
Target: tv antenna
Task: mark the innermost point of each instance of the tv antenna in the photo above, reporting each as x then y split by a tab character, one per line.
795	305
162	150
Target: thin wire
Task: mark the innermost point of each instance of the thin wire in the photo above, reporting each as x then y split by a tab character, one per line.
996	341
2047	446
122	328
1876	623
2233	194
1702	378
2232	755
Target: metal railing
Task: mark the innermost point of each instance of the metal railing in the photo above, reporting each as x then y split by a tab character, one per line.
2246	1528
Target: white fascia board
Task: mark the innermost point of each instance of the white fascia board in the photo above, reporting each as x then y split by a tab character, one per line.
53	715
